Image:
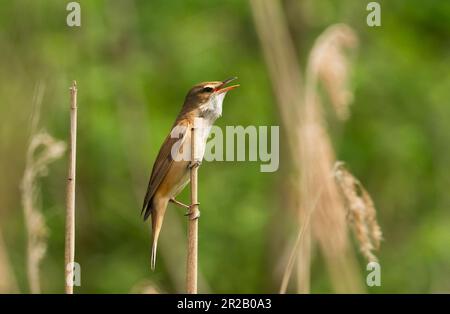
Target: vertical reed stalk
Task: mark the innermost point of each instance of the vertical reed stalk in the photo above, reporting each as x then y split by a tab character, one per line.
192	255
70	200
287	81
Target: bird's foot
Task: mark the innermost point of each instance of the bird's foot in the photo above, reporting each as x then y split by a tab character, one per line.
195	164
193	212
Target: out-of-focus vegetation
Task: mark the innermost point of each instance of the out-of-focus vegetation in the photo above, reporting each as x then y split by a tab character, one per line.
134	62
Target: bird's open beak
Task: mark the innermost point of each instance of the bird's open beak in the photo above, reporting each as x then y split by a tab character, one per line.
221	89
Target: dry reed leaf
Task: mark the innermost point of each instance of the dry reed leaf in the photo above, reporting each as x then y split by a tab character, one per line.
361	211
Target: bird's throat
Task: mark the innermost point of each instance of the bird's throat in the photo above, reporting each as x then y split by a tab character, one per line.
212	109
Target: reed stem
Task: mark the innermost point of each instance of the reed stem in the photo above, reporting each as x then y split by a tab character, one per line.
70	198
192	254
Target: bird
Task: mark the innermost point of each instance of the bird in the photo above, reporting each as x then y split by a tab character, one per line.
171	169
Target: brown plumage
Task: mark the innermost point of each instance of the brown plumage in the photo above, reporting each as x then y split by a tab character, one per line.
170	173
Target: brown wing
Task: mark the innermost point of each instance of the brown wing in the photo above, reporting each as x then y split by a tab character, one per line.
161	166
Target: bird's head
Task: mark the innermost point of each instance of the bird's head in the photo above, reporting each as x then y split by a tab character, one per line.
206	98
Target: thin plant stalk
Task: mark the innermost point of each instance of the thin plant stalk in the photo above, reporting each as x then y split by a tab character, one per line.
70	200
192	254
296	248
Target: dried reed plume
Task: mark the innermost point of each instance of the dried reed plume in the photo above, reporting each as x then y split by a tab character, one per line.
330	65
43	149
327	64
310	145
361	211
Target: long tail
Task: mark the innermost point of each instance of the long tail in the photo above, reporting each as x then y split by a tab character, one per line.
157	214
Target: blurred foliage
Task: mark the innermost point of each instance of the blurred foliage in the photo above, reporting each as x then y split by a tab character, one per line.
134	62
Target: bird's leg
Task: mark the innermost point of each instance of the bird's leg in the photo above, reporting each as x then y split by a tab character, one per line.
173	200
193	212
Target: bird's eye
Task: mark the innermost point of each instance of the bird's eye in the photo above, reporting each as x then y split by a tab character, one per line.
208	89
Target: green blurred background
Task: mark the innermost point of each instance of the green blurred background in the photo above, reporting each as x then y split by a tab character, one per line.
135	60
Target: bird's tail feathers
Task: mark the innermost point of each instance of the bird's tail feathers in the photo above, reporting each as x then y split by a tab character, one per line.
157	214
153	256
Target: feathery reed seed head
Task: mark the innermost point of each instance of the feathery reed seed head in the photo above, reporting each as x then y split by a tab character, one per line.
361	211
332	67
